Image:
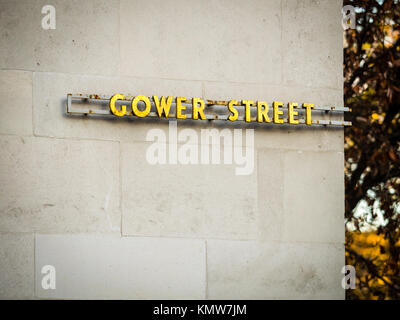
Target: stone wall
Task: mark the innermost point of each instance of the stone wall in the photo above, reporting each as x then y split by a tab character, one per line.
78	194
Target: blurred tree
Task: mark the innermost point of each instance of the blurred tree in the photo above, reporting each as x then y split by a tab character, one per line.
372	148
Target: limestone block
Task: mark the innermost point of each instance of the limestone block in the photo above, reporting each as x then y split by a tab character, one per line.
56	185
16	102
104	267
209	40
85	39
192	200
274	270
312	43
16	266
300	196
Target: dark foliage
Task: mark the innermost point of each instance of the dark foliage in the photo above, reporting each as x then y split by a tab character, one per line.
372	144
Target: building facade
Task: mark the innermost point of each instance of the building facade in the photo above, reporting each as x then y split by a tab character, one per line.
85	214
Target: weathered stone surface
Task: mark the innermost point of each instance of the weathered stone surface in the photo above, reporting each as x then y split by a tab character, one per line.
312	43
208	40
101	267
271	215
16	266
16	102
268	92
85	39
56	185
313	196
300	196
186	200
274	270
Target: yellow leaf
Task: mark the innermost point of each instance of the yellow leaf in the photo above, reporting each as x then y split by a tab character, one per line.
349	142
375	116
366	46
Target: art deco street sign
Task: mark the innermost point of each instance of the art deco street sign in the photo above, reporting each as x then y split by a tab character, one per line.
140	106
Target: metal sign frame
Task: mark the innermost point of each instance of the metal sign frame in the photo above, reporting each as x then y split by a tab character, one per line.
87	111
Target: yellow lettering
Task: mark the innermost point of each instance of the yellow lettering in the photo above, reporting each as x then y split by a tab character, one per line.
114	110
235	113
292	113
262	114
308	107
247	104
277	112
180	107
196	110
162	106
136	111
